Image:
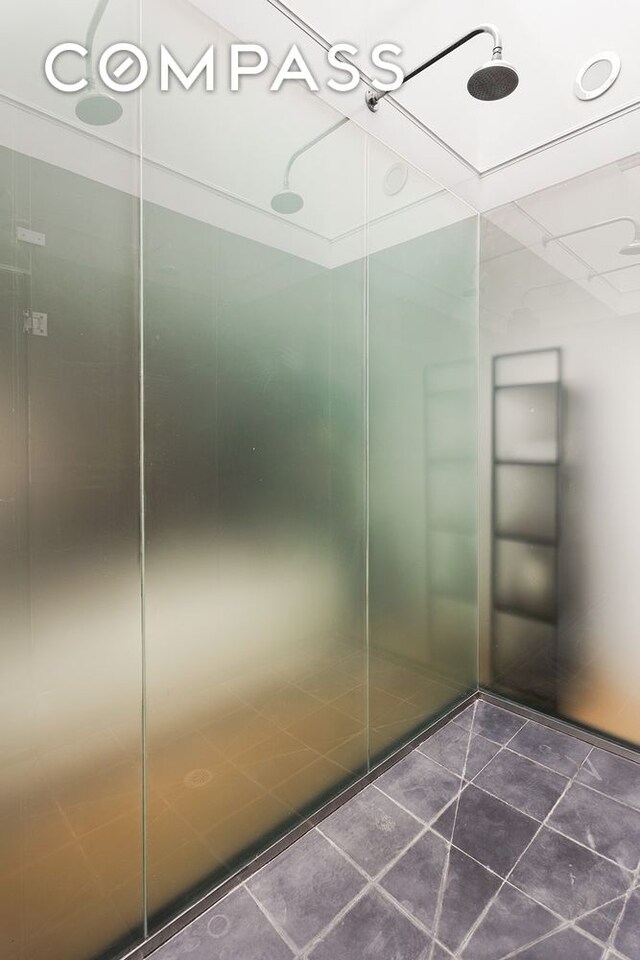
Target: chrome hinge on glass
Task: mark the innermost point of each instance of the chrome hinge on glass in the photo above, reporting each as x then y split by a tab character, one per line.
35	323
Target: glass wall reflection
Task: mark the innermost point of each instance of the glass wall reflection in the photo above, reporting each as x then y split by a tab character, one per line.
254	357
70	678
422	452
305	441
254	572
71	865
559	627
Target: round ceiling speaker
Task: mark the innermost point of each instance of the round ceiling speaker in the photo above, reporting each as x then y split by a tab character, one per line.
395	179
597	75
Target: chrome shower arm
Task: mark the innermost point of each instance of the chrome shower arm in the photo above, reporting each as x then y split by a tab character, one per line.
605	273
295	156
592	226
373	98
98	14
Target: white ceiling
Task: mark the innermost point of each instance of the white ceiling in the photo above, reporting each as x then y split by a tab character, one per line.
222	156
548	41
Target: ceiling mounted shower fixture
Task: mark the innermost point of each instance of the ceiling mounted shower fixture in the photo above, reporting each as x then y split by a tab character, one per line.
494	80
631	249
94	107
597	75
287	201
395	179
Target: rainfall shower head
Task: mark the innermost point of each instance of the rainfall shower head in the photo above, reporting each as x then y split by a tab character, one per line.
492	81
287	202
96	108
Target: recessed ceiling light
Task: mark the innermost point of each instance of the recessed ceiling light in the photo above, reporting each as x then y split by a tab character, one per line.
597	75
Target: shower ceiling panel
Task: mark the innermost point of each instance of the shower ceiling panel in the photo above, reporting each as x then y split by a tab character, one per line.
547	41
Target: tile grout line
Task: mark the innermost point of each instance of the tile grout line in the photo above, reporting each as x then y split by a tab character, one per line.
544	766
433	934
616	927
373	880
493	899
449	841
370	883
529	896
326	930
550	826
406	810
564	925
608	796
572	925
445	871
535	723
440	764
282	933
570	782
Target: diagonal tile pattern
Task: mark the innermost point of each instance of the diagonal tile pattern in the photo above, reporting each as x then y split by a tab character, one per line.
612	776
602	921
305	887
489	721
608	827
452	748
372	928
491	831
513	921
371	829
566	943
419	785
234	928
525	785
552	749
496	839
568	877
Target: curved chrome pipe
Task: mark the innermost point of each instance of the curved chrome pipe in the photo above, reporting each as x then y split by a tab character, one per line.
98	14
595	226
298	153
373	98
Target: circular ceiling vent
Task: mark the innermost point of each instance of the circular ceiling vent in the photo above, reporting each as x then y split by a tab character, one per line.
395	179
597	75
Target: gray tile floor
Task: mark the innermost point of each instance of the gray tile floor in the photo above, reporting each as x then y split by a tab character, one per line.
496	838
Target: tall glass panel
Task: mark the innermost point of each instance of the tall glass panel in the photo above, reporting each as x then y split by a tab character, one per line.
254	425
70	673
422	450
560	455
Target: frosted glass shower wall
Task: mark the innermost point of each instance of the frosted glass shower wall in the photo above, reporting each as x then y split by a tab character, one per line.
303	593
238	483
